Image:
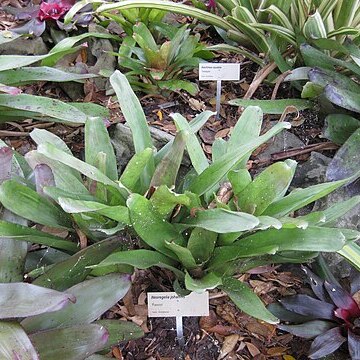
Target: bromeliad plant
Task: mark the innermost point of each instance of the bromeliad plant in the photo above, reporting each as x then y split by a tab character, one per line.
203	238
330	316
37	16
55	317
153	68
266	26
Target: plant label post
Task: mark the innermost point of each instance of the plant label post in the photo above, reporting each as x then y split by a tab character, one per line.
170	304
219	72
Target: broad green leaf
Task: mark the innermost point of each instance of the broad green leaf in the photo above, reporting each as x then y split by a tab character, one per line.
311	90
25	233
167	170
12	253
9	62
92	109
179	8
351	252
90	171
208	281
43	73
184	255
150	226
74	269
211	176
222	220
143	37
135	167
193	147
28	204
314	27
293	239
339	209
22	300
65	46
120	331
164	200
201	244
247	128
42	136
135	118
239	180
195	125
176	85
246	300
269	186
14	342
70	343
93	298
97	140
43	107
276	107
339	127
118	213
140	259
299	198
66	178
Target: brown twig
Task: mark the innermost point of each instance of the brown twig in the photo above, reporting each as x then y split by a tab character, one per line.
279	80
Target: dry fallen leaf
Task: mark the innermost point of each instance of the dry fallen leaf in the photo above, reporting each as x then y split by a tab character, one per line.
253	350
197	105
228	345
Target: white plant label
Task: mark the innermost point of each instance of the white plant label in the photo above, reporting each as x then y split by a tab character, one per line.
170	304
219	71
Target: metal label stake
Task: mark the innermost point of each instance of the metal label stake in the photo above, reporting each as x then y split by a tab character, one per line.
180	332
218	98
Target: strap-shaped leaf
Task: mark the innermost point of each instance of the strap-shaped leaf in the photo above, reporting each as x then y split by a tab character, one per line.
167	170
22	300
97	140
25	233
267	187
71	343
193	147
74	269
150	226
211	176
14	343
273	240
246	300
222	221
93	298
140	259
28	204
135	118
208	281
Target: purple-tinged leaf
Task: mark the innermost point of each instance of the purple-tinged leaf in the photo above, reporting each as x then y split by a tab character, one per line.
326	343
354	345
23	13
21	300
6	155
308	306
343	300
70	343
11	90
34	26
309	329
354	281
346	162
316	283
43	177
285	315
14	343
